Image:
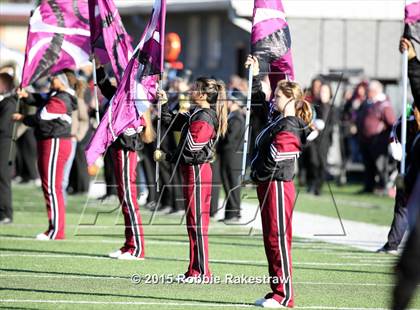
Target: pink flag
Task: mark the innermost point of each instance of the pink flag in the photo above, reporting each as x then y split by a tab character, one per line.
271	41
137	88
110	42
58	38
412	23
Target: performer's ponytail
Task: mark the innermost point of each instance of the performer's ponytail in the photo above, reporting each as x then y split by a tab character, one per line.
304	110
77	85
293	90
216	96
221	109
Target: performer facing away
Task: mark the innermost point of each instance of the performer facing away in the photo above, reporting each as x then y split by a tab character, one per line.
273	168
124	157
52	124
200	130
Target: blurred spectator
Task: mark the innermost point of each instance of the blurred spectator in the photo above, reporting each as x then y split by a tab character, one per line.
315	155
230	150
312	96
375	119
8	102
26	145
171	197
314	91
76	168
349	122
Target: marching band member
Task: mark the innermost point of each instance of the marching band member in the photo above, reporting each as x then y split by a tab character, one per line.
273	168
201	128
52	123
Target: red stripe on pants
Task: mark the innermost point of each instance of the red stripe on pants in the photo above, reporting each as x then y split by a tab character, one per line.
52	157
125	164
197	194
276	203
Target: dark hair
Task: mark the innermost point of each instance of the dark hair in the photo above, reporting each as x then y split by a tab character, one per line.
7	79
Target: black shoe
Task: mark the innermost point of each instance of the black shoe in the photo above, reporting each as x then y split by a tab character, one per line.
5	221
108	198
176	212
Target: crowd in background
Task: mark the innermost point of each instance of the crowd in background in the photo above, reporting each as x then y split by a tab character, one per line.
364	118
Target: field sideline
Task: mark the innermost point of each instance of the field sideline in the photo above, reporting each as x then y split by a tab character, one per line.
76	272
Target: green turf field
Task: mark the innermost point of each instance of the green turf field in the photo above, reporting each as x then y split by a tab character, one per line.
76	273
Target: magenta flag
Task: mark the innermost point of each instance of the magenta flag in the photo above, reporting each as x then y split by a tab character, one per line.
110	42
137	88
58	38
271	41
412	23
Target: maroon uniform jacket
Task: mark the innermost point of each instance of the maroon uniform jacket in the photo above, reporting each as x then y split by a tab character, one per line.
53	117
276	149
198	135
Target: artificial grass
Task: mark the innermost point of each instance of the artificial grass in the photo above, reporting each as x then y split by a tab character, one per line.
75	273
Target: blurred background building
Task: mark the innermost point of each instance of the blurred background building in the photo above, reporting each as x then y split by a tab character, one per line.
356	38
326	35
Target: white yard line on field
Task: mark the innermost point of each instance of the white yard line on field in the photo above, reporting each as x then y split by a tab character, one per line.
175	304
310	226
321	248
323	228
255	262
82	241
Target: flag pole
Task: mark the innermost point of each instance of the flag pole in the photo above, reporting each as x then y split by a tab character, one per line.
247	121
95	88
162	62
404	111
158	134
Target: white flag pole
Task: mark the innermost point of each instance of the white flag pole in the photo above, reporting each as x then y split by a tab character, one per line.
95	89
158	134
404	110
247	121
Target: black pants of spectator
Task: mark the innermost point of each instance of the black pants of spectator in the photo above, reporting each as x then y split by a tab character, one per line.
315	160
375	160
399	223
79	176
230	169
179	196
26	156
176	192
171	186
216	185
170	175
149	166
166	194
408	270
6	210
110	182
